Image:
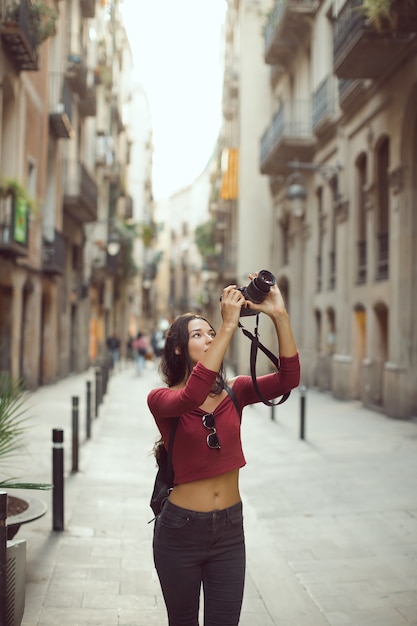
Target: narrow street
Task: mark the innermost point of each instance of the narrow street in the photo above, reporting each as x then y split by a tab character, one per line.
331	521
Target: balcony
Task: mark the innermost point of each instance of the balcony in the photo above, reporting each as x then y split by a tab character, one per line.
360	51
288	24
288	138
352	94
60	106
88	103
117	115
76	74
88	8
14	225
128	208
19	42
324	106
53	254
80	192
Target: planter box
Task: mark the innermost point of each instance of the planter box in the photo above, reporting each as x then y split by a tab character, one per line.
16	581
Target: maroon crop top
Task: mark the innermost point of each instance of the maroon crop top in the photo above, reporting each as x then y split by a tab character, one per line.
192	458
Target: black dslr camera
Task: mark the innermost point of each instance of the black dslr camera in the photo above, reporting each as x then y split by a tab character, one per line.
257	290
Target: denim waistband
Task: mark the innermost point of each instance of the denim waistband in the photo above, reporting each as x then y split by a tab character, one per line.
219	514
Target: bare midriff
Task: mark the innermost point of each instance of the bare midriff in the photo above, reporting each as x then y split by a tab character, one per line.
210	494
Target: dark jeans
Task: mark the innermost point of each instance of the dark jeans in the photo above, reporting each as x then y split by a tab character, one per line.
191	549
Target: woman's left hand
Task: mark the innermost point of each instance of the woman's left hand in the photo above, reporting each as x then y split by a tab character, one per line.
273	304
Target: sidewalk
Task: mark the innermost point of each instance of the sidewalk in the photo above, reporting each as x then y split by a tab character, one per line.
331	522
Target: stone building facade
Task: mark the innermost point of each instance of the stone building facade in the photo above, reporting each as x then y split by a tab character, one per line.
64	181
325	120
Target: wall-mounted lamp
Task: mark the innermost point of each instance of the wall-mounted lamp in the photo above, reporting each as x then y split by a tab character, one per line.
296	192
113	244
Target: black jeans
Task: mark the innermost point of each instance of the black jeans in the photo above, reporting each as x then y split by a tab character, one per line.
192	548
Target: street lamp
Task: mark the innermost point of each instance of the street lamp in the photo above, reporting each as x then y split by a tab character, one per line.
296	192
113	243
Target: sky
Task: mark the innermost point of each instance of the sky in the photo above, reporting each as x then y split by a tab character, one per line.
177	50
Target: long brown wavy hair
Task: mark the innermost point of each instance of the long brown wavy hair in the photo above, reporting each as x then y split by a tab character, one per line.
176	365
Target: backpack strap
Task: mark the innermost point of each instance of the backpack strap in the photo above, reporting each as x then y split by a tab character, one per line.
234	399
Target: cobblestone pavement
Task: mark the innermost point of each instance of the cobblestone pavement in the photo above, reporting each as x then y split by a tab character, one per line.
331	521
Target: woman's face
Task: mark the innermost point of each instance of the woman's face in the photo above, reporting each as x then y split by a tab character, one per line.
200	336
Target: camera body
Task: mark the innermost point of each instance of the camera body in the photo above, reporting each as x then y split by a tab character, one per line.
257	290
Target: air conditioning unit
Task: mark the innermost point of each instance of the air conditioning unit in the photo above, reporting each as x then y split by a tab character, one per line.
16	582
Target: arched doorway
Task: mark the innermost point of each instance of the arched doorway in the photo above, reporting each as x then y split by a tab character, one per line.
358	350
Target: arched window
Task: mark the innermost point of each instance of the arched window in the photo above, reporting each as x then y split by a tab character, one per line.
331	330
319	238
382	215
319	330
361	179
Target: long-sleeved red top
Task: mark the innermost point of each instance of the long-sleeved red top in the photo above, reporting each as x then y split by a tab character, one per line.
192	458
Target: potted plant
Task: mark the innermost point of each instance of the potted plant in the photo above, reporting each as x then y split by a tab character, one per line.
13	426
42	19
390	15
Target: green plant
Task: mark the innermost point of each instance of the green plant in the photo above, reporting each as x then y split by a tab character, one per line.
42	21
383	14
11	185
204	238
13	425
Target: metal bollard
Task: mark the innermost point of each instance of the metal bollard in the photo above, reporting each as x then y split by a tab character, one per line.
75	433
3	557
98	390
303	390
58	479
104	378
273	412
88	411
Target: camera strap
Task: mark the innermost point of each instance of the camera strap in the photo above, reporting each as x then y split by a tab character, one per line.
255	346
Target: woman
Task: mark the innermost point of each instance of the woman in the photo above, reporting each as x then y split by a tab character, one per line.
198	537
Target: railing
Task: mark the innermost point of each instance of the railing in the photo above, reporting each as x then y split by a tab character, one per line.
60	100
79	183
349	22
383	256
24	22
361	268
277	13
319	273
332	270
324	101
297	123
53	254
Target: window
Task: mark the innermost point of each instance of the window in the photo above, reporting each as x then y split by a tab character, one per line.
361	258
382	216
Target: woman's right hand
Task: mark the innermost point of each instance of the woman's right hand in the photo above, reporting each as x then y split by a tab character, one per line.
232	301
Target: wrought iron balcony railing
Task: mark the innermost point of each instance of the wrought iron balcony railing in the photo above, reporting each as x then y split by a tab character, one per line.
53	254
60	106
19	40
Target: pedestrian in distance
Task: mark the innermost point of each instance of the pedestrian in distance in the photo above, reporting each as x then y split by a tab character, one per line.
141	348
113	346
199	536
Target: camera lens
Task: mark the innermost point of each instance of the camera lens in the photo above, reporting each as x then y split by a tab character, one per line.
260	286
265	277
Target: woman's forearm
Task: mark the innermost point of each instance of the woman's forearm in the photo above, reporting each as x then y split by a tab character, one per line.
286	341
